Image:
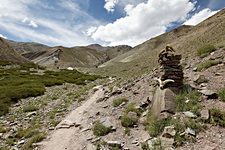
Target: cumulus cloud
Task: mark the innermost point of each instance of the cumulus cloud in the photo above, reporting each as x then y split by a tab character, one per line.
110	5
144	21
200	16
2	36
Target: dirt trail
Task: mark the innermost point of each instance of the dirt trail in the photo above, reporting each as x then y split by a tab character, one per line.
72	138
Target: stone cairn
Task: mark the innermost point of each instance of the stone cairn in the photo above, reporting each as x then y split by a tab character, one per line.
170	68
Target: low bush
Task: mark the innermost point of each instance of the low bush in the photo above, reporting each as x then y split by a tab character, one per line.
205	50
217	117
207	64
222	94
100	130
131	108
127	121
117	102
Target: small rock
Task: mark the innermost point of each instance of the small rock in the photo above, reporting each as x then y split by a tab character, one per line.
31	114
1	135
205	114
169	132
65	124
97	88
189	131
135	142
106	121
195	69
114	143
116	90
167	143
189	114
210	94
21	142
51	128
96	139
85	129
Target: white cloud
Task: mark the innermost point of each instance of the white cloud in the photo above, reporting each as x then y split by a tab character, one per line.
110	5
29	22
61	26
143	21
200	16
2	36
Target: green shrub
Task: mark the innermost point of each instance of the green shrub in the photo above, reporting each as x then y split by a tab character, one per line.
30	108
217	117
207	64
188	101
222	94
205	50
117	102
26	133
2	129
127	121
100	130
131	108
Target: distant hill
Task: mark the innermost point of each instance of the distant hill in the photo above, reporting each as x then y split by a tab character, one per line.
85	56
7	53
185	39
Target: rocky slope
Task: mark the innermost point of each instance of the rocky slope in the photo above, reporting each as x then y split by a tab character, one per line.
7	53
185	39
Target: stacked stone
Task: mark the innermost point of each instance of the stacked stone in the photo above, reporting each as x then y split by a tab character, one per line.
171	69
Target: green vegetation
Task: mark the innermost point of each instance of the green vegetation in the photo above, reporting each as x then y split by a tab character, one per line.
188	101
207	64
127	121
131	108
2	129
222	94
19	82
217	117
26	133
205	50
100	130
29	108
35	139
117	102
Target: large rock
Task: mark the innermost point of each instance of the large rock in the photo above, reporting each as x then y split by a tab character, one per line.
163	101
209	94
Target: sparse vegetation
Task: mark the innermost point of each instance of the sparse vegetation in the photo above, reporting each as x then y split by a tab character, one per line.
127	121
17	83
30	107
207	64
117	102
205	50
35	139
131	108
188	101
100	130
217	117
222	94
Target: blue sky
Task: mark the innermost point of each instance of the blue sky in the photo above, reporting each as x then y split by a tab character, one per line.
107	22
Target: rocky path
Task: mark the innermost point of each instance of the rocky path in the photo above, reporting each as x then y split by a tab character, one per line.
70	138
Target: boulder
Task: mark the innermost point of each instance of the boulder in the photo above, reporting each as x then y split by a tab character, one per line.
209	94
163	101
106	122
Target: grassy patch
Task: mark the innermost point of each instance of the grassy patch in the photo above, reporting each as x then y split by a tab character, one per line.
35	139
207	64
117	102
30	107
19	82
131	108
100	130
127	121
188	101
26	133
2	129
217	117
205	50
222	94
